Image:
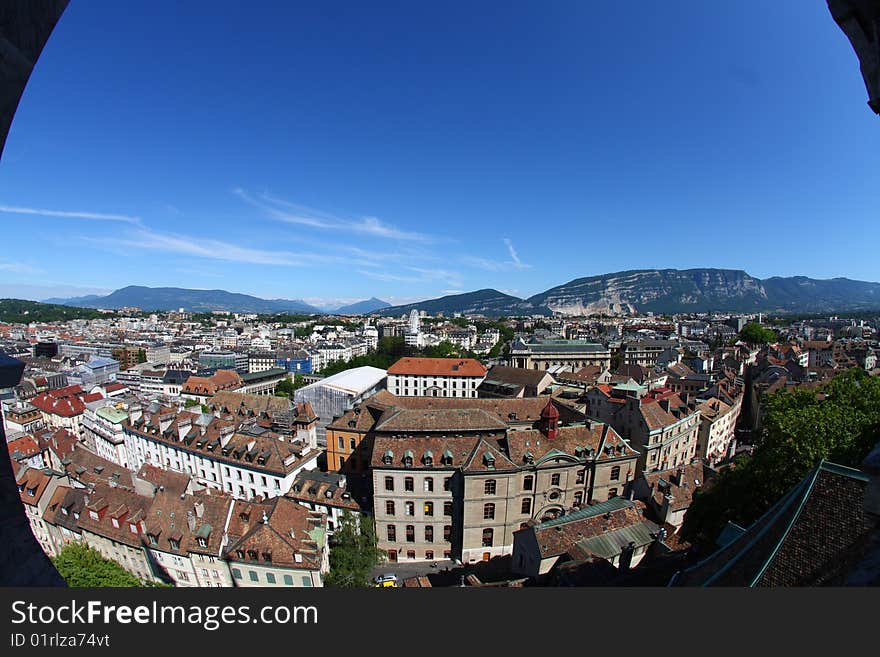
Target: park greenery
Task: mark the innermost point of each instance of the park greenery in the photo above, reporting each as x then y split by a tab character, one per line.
392	349
839	422
757	334
286	387
82	566
17	311
353	553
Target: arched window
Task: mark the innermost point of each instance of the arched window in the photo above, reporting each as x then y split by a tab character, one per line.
429	508
389	508
408	484
527	505
488	536
528	482
489	511
392	533
489	487
410	534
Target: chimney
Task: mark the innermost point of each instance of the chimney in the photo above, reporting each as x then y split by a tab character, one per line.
165	421
199	508
183	428
191	520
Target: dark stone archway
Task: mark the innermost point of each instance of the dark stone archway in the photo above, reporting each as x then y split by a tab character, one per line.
25	26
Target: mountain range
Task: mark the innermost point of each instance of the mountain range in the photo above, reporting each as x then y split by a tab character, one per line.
173	298
633	291
665	291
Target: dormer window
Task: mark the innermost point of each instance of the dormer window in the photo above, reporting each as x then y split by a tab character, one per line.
388	457
428	459
267	556
447	458
489	460
93	515
239	554
32	491
407	459
174	543
115	522
153	539
133	528
252	554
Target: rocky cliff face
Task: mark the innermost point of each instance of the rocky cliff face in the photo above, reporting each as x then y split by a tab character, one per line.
657	290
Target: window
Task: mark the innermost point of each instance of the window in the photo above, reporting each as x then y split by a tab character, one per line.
489	487
429	484
288	580
408	484
392	533
615	473
526	505
351	443
488	535
447	532
389	483
580	476
236	573
307	581
410	554
612	492
447	482
270	578
389	508
488	511
554	479
578	498
410	508
252	575
528	482
429	554
447	508
429	534
410	534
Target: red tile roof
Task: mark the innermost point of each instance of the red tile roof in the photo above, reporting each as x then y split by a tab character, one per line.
438	367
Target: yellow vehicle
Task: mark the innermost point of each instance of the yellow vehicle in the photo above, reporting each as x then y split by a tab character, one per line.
386	580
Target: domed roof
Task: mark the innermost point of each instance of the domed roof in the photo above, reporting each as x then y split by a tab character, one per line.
550	411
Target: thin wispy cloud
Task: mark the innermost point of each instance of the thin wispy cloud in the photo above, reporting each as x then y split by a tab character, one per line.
389	278
282	210
497	265
211	249
20	268
67	214
519	264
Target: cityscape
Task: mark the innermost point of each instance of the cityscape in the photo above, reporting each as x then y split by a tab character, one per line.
231	449
378	299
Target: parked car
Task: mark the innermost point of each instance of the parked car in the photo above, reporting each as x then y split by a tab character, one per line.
388	579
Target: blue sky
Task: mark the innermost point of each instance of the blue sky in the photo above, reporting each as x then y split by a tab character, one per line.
336	151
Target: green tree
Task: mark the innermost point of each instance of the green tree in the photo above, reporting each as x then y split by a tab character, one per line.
754	333
285	388
353	553
800	428
189	403
142	356
298	381
81	566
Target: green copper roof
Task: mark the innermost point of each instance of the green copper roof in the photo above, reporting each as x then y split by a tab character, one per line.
614	504
112	414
